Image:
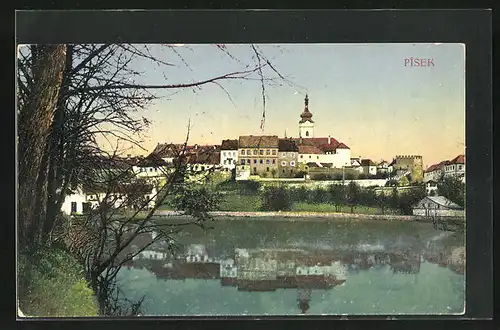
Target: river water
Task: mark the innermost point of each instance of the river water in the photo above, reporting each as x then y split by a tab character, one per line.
316	267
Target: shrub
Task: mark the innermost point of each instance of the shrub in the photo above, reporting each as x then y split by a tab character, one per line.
250	186
52	284
300	174
276	199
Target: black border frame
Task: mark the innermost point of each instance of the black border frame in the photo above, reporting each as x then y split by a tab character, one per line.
471	27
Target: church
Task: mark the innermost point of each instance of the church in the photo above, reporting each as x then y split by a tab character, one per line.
319	151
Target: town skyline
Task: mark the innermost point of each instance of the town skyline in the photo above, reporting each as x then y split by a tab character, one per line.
361	94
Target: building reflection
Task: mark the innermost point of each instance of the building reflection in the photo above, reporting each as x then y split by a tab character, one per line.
268	270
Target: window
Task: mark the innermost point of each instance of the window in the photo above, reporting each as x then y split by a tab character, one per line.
283	163
261	161
283	170
301	156
224	154
225	161
242	162
255	161
150	169
242	152
255	152
274	152
268	152
307	133
73	207
274	161
283	154
460	167
292	163
267	169
261	152
203	168
248	161
317	157
309	156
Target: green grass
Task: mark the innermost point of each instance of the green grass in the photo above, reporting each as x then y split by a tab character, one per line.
234	201
52	284
323	207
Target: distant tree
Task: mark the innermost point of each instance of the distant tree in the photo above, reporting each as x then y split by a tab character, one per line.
353	193
362	176
452	188
403	182
391	183
318	196
409	199
276	199
382	202
337	176
349	176
394	198
300	174
337	196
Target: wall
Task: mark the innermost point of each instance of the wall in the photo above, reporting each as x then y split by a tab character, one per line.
322	184
439	212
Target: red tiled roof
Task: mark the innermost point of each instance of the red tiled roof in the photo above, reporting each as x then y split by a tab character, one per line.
262	141
436	167
287	145
342	146
229	145
460	159
367	162
304	149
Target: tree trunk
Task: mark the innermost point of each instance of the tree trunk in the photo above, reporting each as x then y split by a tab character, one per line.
56	144
34	125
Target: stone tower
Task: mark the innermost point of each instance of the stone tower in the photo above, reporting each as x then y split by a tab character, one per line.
306	124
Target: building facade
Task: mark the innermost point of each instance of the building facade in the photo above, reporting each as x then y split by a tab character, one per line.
439	206
259	153
229	154
306	124
412	164
369	167
447	168
287	161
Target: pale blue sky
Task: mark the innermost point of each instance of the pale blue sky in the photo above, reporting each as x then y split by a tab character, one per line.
360	94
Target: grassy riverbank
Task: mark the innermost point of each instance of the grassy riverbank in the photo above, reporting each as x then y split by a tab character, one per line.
52	284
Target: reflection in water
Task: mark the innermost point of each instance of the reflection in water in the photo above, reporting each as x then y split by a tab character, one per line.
303	270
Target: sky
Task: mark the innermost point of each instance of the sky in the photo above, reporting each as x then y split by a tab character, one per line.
360	94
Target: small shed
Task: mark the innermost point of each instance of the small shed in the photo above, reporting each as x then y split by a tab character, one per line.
437	206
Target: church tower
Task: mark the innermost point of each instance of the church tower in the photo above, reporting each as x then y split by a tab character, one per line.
306	124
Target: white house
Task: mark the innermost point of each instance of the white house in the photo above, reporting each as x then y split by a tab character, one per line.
369	167
229	154
80	201
356	164
383	167
431	187
454	167
437	206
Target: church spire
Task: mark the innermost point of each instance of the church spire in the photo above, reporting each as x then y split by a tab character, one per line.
306	114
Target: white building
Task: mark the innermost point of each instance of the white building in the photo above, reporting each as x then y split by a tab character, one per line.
454	167
369	167
437	206
229	154
306	124
80	201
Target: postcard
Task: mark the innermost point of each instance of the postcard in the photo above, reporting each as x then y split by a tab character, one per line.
241	179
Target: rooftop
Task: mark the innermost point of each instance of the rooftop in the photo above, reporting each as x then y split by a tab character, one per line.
259	141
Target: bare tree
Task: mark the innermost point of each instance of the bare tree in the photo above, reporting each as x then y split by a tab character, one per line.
70	96
100	98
